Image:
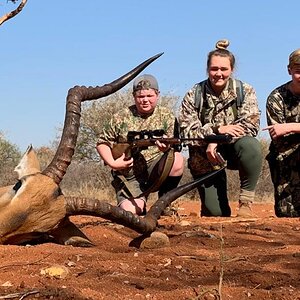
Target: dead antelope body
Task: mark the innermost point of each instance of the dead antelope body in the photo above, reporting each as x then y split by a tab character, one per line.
35	206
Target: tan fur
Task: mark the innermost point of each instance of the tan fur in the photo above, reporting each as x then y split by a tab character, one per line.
29	164
6	194
4	189
36	207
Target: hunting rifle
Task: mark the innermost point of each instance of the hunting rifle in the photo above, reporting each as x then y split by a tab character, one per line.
141	140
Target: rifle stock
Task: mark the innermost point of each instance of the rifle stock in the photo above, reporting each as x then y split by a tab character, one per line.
120	148
126	148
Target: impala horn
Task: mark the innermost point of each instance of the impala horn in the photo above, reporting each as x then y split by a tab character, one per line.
62	159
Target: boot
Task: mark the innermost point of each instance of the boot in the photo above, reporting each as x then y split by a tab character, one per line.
245	202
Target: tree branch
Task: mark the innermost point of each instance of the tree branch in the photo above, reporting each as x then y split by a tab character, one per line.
13	13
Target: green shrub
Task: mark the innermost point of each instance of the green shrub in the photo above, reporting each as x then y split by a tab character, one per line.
10	156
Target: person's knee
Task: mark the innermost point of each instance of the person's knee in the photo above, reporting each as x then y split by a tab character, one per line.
178	165
127	205
249	154
254	147
247	142
249	148
135	206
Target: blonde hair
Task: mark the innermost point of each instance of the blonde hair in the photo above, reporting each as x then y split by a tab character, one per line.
222	44
221	50
294	58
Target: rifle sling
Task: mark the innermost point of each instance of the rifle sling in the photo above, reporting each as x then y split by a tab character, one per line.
158	173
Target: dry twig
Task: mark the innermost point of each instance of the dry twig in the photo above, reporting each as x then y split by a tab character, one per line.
16	295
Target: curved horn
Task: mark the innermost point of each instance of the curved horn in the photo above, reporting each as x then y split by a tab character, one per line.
62	159
158	207
147	224
93	207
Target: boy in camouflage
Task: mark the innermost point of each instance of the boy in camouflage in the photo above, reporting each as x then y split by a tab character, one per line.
283	117
131	176
220	114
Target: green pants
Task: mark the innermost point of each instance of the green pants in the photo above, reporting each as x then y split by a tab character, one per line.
246	157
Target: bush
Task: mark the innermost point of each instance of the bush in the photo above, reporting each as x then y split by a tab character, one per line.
45	155
10	156
88	179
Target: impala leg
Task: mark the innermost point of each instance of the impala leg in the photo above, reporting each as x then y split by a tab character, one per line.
68	233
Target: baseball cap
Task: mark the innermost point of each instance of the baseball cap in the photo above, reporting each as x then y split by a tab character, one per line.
145	82
294	58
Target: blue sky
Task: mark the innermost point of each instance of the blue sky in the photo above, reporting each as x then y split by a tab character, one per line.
53	45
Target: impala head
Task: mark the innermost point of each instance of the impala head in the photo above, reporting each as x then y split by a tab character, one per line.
29	165
35	203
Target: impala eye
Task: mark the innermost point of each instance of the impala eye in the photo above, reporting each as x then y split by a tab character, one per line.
17	185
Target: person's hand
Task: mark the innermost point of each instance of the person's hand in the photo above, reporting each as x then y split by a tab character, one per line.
121	163
211	153
161	146
213	156
278	130
235	130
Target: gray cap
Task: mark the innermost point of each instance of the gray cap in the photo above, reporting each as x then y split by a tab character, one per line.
294	58
145	82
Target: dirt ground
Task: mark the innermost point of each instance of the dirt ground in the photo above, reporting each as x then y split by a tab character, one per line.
207	258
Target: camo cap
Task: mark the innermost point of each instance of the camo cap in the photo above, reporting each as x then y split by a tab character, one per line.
145	82
294	58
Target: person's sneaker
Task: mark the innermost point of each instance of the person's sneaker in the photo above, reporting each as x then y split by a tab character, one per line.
245	210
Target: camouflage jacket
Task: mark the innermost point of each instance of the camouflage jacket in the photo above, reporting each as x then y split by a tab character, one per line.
128	119
218	111
283	107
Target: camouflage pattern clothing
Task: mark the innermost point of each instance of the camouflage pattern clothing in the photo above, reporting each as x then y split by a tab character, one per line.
284	155
117	129
218	111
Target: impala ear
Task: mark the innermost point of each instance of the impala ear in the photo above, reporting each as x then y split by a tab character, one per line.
29	164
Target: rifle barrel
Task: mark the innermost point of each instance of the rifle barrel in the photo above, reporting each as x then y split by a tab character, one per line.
219	139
